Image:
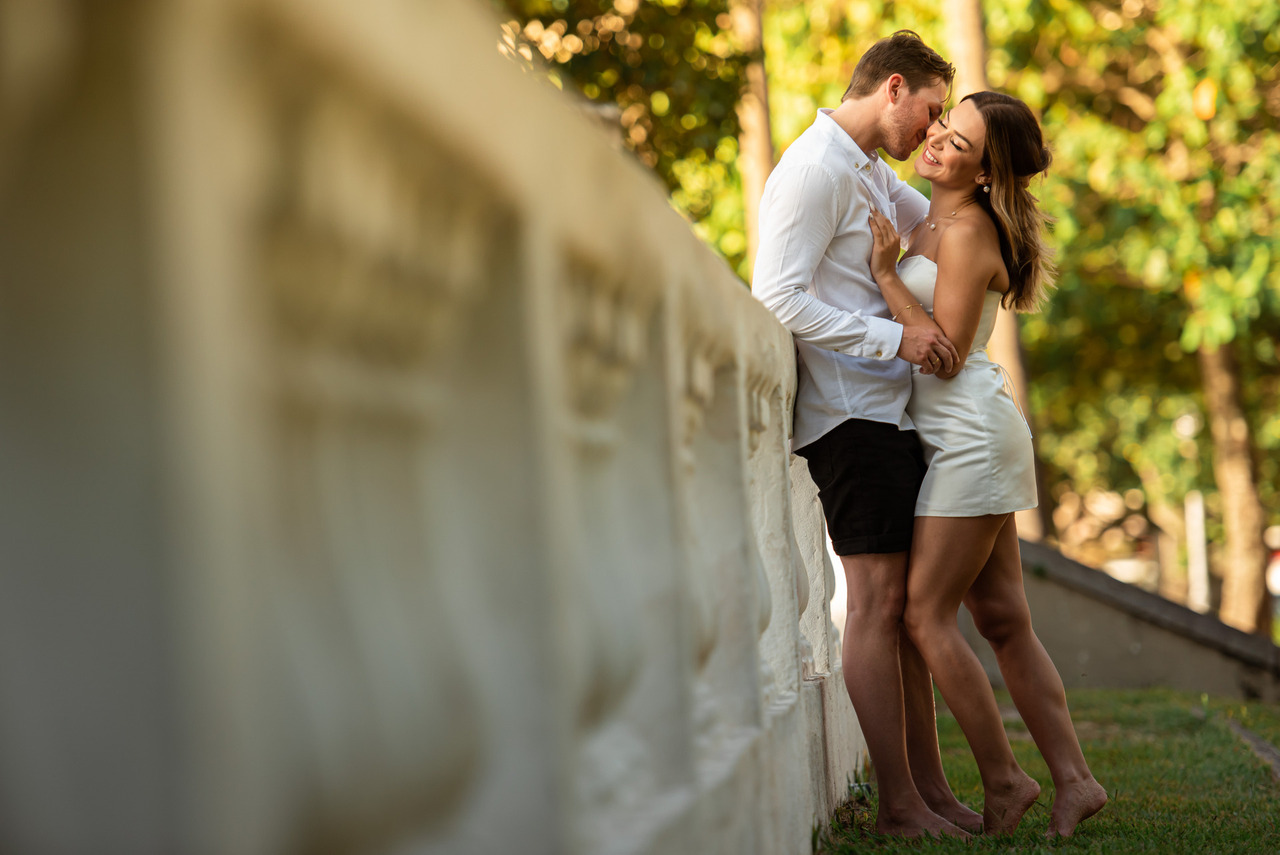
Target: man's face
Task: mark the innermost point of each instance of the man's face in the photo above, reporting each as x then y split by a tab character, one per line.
909	117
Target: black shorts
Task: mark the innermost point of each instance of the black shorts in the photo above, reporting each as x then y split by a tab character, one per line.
868	475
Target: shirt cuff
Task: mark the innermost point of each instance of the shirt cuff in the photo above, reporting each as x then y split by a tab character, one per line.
882	340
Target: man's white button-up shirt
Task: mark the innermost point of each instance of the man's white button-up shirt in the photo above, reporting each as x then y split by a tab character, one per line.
812	271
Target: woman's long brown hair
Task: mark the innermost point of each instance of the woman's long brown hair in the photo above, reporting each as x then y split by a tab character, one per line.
1013	153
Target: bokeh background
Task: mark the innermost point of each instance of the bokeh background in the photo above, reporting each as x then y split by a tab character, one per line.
1154	373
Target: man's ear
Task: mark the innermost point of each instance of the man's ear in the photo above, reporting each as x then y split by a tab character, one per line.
895	86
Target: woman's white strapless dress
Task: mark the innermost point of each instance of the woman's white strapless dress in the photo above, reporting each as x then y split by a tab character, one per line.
976	443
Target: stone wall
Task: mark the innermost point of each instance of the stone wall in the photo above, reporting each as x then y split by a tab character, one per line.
385	466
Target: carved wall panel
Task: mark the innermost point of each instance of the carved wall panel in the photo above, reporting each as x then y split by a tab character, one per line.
631	745
377	243
456	474
606	328
724	568
768	364
377	248
384	715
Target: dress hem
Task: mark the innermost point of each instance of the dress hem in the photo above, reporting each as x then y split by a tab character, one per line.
959	513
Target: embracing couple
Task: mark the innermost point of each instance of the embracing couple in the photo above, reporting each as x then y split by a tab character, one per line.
920	453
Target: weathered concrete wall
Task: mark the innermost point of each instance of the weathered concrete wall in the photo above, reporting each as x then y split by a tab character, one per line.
1102	633
385	466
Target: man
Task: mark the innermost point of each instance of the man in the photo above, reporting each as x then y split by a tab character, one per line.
854	381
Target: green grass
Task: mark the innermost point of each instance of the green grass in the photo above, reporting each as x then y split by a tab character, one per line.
1179	781
1262	719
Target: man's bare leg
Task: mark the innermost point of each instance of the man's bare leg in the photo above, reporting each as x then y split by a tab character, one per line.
873	677
923	753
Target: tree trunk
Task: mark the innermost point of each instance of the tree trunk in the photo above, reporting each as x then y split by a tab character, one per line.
967	46
1172	532
755	140
1245	601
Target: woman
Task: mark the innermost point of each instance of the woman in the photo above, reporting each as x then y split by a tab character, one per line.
981	242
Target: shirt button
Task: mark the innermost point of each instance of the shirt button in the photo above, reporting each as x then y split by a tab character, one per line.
878	353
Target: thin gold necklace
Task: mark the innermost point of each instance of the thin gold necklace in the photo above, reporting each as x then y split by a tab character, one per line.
934	225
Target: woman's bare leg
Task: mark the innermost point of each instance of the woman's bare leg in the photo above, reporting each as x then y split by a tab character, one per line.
947	554
998	604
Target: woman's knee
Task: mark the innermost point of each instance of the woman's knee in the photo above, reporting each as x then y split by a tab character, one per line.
999	624
923	615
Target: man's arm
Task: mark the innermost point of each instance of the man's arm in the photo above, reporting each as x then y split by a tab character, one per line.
800	216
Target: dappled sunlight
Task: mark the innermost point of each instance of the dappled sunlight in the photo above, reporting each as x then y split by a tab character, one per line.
1163	122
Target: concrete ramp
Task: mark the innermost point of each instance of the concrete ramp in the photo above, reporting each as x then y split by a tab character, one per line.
1103	633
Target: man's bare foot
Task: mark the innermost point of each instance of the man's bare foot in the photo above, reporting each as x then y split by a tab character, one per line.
917	824
1003	810
955	812
1074	804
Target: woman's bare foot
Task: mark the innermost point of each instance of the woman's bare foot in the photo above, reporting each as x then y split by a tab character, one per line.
917	823
1003	810
1074	804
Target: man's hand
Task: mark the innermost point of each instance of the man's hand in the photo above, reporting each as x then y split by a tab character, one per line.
930	349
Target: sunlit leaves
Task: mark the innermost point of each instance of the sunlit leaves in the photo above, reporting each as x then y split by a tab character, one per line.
669	66
1149	198
1158	125
1164	119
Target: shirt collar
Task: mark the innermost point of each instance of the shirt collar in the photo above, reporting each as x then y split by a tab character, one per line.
858	158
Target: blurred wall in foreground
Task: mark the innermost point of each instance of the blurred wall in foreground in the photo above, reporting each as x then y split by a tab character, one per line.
384	466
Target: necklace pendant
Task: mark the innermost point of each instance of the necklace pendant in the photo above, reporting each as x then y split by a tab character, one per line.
932	226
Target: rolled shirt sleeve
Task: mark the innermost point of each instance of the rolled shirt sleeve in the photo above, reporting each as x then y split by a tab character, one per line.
801	219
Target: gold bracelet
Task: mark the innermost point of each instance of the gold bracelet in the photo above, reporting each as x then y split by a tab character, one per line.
908	308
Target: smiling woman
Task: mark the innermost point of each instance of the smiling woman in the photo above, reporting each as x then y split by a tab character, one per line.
986	252
955	145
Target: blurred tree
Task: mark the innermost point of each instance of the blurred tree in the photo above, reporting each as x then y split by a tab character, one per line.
1150	198
1166	178
1155	368
675	73
1245	603
755	140
966	45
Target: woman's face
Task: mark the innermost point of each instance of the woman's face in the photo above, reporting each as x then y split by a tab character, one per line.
952	153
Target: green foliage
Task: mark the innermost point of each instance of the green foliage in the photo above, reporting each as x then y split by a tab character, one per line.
812	46
1163	118
811	50
674	73
710	195
1166	227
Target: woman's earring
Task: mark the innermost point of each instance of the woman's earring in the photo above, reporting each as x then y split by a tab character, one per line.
986	188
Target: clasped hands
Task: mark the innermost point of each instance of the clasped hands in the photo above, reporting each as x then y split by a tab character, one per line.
923	344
